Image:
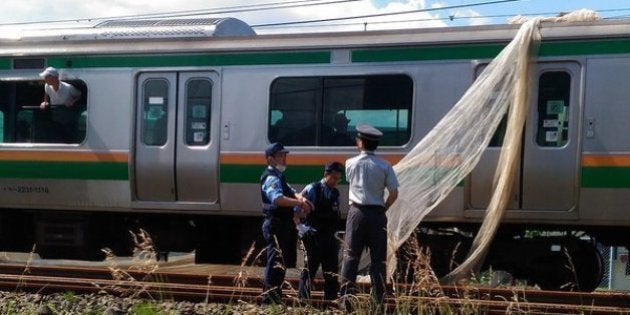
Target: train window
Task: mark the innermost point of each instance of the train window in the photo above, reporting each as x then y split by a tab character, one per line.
24	121
2	126
198	102
154	118
324	111
553	109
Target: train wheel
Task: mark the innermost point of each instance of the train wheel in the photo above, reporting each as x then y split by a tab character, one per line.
577	267
588	264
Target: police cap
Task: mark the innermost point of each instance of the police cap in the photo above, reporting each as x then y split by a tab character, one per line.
334	167
275	148
368	132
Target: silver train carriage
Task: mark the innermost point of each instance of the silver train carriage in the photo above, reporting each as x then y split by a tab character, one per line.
174	116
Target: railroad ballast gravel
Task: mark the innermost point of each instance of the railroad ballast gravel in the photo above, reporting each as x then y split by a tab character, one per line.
71	304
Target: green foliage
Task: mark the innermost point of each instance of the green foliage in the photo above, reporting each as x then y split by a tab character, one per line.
146	308
8	308
69	296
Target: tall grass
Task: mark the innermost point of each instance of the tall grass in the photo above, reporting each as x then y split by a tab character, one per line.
420	293
144	263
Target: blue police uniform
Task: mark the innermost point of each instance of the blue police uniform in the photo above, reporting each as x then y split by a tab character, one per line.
321	247
278	230
366	224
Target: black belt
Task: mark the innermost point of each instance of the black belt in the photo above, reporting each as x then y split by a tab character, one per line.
366	207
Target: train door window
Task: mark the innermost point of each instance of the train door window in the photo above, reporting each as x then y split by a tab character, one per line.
154	118
553	109
324	111
198	102
25	122
499	134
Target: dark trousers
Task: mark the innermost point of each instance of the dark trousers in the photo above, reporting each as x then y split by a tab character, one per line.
321	249
280	239
365	226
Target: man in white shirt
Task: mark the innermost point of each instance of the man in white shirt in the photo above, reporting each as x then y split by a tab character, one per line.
366	225
57	92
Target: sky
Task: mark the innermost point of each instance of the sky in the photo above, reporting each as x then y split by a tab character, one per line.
426	13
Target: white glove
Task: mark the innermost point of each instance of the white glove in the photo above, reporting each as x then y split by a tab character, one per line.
305	230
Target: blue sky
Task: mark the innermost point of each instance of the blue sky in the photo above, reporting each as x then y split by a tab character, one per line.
12	11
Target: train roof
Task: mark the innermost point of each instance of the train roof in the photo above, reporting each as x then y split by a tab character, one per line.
132	29
229	34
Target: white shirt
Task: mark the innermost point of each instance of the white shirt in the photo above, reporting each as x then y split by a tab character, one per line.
368	176
66	95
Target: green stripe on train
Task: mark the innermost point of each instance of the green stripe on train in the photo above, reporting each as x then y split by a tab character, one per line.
5	63
299	175
64	170
183	60
249	174
487	51
446	52
427	53
605	177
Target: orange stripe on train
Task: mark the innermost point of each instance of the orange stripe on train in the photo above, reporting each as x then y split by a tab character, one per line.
606	160
64	156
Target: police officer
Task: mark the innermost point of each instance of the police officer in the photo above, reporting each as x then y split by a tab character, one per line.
279	231
368	177
319	235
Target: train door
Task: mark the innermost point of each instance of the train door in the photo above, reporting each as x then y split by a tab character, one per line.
176	146
547	179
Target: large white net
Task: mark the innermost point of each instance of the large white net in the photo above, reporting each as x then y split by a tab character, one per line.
450	151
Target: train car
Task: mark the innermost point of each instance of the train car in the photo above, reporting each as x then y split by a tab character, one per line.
175	114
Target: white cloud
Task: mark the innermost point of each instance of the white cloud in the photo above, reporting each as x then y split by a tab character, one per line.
437	5
362	8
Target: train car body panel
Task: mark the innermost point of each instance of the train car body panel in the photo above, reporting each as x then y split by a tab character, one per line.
435	90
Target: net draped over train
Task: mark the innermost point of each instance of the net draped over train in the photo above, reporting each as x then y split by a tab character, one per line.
451	150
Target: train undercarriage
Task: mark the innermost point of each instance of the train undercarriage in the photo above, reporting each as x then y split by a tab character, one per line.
554	258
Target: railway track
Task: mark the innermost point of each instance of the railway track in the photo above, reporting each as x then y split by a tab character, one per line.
231	289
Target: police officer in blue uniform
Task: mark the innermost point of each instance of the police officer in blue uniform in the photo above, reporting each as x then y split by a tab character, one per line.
368	177
279	231
318	235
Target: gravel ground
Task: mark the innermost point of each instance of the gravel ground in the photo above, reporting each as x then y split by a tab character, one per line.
70	304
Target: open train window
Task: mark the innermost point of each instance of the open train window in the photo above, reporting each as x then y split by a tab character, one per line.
23	121
324	111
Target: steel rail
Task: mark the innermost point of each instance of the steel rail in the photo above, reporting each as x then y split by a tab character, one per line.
224	289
